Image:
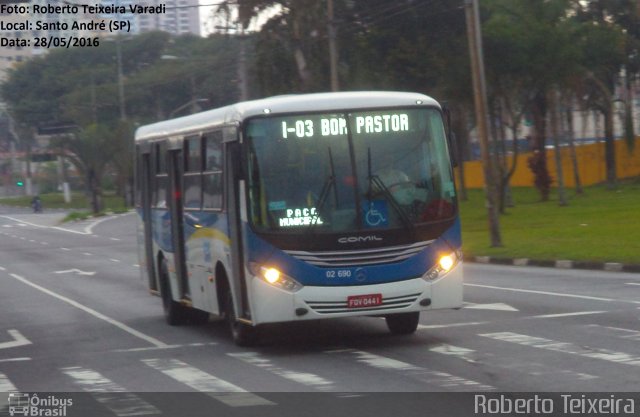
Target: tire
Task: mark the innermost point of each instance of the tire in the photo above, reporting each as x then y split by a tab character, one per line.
174	313
242	334
404	323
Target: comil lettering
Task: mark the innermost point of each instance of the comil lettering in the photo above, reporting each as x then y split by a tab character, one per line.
382	123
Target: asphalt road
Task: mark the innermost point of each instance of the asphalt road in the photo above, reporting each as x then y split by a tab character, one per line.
75	317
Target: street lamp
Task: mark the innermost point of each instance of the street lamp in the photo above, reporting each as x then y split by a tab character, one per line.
194	106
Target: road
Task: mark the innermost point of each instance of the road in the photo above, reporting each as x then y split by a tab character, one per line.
75	317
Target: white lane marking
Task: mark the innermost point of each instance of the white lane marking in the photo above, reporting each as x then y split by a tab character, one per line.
112	395
565	347
468	355
578	313
32	241
557	294
114	260
87	254
304	378
492	306
494	361
444	326
76	271
93	312
65	249
144	349
217	388
620	332
441	379
632	283
14	360
5	386
115	239
18	340
2	268
89	229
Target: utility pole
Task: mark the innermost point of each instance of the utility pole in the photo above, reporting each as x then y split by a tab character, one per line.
242	68
333	49
480	99
123	113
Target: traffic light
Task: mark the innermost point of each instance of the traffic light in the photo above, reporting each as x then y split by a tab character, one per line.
20	183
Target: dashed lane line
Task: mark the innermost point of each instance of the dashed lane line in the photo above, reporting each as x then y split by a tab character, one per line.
110	394
304	378
443	380
565	347
217	388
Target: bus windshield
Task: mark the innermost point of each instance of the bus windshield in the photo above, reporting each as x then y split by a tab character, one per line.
341	172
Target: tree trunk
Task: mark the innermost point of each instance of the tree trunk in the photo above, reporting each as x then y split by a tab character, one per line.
572	149
609	146
459	126
555	132
538	161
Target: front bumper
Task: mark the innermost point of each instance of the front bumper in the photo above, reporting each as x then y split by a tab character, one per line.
271	305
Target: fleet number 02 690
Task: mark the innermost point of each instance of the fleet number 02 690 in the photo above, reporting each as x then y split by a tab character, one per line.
340	273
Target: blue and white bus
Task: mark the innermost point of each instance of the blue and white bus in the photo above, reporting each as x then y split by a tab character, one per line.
301	207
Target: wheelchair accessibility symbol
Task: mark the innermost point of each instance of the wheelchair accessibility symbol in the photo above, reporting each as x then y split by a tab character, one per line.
375	214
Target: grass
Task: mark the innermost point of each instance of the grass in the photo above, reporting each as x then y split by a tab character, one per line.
111	202
79	201
602	225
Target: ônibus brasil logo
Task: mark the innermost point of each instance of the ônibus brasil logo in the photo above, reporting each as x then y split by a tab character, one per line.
31	405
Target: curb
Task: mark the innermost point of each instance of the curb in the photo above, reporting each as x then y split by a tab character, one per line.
560	264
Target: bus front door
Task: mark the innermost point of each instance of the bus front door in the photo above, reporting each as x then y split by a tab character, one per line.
177	230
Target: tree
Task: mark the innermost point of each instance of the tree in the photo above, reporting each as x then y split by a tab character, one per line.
90	150
534	49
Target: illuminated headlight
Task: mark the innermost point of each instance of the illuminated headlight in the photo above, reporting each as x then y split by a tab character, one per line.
444	265
274	277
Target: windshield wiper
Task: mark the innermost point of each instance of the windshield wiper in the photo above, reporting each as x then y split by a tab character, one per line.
329	183
375	180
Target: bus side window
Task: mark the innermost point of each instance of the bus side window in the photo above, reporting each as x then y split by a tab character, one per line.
162	180
212	176
138	178
193	173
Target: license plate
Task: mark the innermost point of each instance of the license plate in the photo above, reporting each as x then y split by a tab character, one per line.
361	301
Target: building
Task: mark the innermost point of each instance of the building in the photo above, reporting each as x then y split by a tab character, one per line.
181	17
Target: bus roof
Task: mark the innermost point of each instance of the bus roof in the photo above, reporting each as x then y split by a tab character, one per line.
317	102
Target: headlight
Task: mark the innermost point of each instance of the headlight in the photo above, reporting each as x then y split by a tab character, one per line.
444	265
274	277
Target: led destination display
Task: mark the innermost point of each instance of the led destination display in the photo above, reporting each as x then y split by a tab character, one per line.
337	126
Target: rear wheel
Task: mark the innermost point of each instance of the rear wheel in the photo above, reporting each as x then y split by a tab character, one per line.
404	323
174	313
242	334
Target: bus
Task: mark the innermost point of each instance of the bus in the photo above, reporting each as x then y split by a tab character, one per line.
300	207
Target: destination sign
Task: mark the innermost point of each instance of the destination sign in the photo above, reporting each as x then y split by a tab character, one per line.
337	126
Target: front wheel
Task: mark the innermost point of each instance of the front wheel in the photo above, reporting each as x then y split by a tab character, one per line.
242	334
404	323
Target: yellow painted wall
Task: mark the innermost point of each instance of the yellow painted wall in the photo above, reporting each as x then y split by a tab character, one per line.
591	166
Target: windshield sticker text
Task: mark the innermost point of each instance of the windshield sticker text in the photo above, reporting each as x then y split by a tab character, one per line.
300	217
